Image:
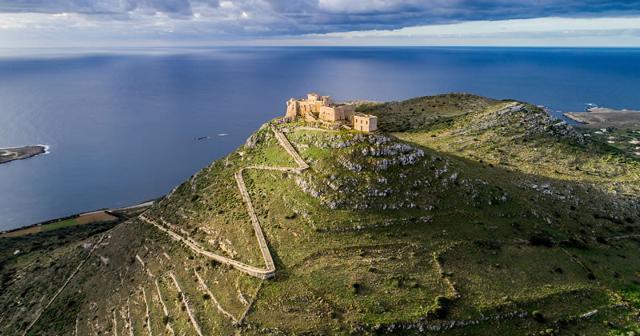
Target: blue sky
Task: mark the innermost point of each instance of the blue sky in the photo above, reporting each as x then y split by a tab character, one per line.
113	23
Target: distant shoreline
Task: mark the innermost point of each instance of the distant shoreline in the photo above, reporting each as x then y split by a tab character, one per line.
100	215
605	117
22	153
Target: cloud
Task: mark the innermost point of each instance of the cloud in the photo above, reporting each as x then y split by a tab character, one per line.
524	29
327	15
194	21
104	7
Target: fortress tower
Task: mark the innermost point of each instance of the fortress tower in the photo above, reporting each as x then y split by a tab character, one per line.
322	108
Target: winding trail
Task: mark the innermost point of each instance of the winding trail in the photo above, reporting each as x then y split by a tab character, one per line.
269	270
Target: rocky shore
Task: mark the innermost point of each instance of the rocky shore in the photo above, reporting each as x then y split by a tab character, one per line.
21	153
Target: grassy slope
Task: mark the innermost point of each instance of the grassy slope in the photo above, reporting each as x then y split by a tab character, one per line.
453	235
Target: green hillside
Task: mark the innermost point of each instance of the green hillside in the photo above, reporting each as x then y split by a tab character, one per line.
462	216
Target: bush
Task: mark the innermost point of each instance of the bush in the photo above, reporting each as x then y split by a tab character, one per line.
574	242
396	282
541	239
356	288
488	244
538	316
441	308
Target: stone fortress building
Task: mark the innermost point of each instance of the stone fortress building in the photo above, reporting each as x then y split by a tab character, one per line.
322	109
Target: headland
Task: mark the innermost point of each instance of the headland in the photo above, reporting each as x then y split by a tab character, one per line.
21	153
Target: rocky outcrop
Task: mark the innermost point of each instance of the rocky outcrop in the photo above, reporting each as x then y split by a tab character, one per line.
524	121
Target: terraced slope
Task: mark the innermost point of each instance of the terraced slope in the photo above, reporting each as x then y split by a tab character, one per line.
420	231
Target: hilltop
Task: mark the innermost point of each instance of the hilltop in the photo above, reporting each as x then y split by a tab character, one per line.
460	215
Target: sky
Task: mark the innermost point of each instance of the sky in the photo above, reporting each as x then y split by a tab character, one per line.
166	23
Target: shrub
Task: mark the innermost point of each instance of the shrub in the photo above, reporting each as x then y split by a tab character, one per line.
488	244
442	306
538	316
541	239
574	242
396	282
356	288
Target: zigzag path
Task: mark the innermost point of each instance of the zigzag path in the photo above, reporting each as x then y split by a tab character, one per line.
270	269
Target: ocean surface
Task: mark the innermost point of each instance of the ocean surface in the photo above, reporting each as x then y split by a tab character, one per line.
123	125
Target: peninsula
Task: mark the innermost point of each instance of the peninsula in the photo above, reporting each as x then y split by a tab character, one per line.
618	129
605	117
20	153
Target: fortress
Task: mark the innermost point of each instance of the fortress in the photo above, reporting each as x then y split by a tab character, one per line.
321	109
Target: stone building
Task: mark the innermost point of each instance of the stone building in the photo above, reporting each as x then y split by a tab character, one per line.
307	107
323	109
365	122
337	112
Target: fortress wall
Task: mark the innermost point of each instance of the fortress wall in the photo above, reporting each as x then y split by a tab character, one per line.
330	114
321	107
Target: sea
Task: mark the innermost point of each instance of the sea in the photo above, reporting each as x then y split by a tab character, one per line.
125	125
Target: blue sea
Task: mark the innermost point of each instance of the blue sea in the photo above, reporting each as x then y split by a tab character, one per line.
123	126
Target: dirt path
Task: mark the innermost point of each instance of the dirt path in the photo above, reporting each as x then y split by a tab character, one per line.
269	270
284	142
262	242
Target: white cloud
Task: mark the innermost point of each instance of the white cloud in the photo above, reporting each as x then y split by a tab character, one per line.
368	6
607	31
538	25
230	25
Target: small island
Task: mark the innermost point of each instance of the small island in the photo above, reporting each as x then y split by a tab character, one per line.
20	153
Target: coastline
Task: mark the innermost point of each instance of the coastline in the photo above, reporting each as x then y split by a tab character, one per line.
605	117
574	117
47	148
9	154
87	217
